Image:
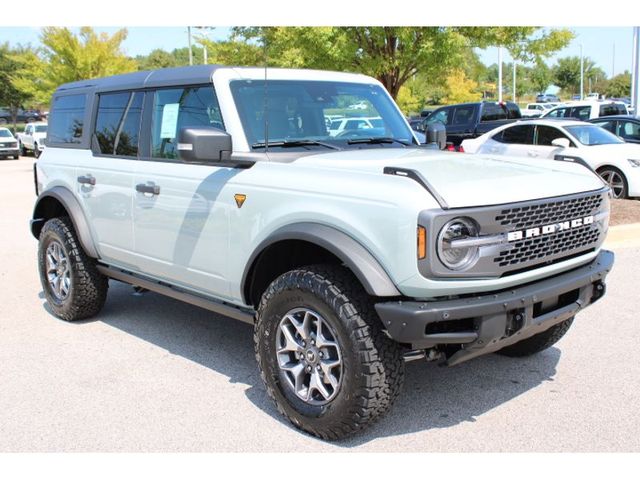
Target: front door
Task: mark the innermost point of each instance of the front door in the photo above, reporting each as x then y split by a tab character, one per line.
181	221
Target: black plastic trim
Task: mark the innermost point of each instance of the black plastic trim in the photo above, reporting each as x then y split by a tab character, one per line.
417	177
406	321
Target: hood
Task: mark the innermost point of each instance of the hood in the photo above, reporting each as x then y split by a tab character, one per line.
466	180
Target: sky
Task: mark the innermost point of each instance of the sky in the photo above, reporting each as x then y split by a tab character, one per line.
598	43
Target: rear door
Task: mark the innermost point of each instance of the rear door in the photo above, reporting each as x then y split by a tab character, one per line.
516	140
105	177
181	224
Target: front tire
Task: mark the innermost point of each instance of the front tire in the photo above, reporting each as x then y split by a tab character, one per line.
539	342
323	356
616	181
36	150
72	285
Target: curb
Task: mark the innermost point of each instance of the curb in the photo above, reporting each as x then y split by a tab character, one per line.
623	236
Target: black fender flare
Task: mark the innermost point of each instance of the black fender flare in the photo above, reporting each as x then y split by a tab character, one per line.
356	257
73	208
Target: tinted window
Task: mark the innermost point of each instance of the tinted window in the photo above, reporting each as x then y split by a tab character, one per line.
118	123
178	108
67	117
519	134
581	113
492	112
547	134
557	113
513	110
463	115
612	109
607	125
629	131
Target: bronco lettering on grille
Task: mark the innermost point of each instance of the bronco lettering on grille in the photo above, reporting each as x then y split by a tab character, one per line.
549	229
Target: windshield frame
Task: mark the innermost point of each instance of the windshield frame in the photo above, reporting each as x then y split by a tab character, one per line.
382	105
572	128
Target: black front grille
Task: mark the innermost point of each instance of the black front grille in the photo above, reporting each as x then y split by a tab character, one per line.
547	213
534	249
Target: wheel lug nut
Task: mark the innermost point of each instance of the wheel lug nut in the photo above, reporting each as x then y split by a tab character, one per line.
308	368
321	355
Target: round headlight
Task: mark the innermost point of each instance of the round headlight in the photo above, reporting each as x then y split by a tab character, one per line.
458	257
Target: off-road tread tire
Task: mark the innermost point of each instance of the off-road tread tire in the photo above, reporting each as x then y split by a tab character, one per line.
88	286
381	360
539	342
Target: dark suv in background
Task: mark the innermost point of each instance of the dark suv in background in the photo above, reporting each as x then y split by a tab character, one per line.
470	120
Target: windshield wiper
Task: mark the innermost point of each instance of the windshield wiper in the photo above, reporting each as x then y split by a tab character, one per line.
374	140
295	143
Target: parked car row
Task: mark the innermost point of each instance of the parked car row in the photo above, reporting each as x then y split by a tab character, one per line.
8	144
617	162
23	116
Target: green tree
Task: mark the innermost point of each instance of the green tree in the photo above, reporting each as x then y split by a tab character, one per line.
540	77
66	57
158	58
566	74
395	54
11	96
619	86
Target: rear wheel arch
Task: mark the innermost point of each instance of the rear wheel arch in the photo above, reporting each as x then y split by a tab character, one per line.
304	244
60	202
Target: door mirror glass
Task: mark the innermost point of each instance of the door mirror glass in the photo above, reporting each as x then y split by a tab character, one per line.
204	145
560	142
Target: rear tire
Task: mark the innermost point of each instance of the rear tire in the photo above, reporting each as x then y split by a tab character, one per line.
366	368
36	150
72	285
538	342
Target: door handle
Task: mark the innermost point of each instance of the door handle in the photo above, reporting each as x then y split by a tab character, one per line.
148	188
87	179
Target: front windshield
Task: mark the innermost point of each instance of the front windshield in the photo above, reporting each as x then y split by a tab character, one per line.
316	113
5	133
593	135
41	128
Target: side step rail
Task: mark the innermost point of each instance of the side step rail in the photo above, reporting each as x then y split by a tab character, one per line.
226	309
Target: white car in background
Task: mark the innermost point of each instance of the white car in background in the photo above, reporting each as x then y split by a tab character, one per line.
351	125
586	110
536	109
617	162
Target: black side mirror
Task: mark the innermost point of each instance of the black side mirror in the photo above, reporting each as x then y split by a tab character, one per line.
204	145
436	134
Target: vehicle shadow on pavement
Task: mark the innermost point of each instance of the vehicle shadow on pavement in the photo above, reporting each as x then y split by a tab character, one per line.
433	397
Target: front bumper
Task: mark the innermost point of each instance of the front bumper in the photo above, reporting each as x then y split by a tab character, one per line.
9	152
488	322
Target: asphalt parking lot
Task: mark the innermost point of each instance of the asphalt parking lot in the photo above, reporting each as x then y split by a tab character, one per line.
153	374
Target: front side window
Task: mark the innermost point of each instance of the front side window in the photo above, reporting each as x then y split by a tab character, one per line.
441	116
297	112
557	113
546	135
67	118
40	129
630	131
581	113
519	134
178	108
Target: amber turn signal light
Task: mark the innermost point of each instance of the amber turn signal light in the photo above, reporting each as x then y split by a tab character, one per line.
422	243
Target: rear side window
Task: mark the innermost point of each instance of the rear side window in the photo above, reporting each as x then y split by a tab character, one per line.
67	118
177	108
581	113
492	112
612	109
463	115
630	131
118	123
607	125
513	110
519	134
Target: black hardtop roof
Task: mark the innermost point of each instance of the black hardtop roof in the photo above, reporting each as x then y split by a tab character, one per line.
150	78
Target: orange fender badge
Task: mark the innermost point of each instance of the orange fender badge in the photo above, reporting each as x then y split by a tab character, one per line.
240	199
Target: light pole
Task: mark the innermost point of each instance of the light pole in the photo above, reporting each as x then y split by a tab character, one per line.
190	52
581	74
635	67
500	74
514	80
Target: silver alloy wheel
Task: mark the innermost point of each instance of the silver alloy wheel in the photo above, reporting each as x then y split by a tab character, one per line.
309	356
58	271
615	182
